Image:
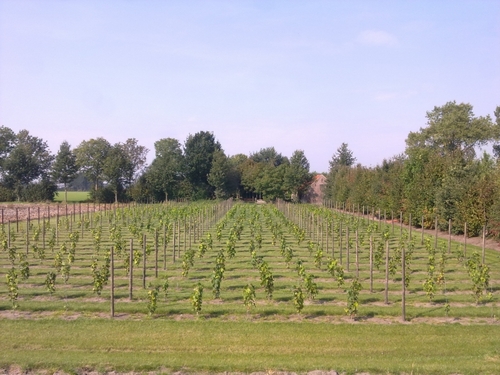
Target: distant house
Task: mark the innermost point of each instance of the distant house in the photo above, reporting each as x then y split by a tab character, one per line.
315	194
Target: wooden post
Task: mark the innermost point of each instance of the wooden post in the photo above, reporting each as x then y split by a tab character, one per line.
409	226
27	234
436	233
333	238
340	243
347	246
403	286
43	233
357	258
173	241
131	270
484	241
449	236
164	247
144	261
386	272
465	240
156	253
371	263
422	237
112	282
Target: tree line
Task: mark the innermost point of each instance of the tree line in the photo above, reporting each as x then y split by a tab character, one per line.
198	169
441	174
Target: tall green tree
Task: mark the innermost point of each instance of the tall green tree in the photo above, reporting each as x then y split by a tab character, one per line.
28	160
117	169
338	186
343	157
90	157
454	130
136	155
166	172
64	169
199	151
297	177
218	177
268	155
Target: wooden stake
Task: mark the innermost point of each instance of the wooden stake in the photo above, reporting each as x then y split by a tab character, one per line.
371	263
386	272
112	282
403	286
144	261
484	241
131	270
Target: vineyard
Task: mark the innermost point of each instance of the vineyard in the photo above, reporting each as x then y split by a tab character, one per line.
235	260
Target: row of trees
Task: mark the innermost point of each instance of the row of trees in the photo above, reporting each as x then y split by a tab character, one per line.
202	170
439	174
199	169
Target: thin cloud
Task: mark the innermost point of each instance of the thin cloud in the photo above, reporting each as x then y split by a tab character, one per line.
377	38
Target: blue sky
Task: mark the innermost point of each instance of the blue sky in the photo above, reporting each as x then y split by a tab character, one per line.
303	75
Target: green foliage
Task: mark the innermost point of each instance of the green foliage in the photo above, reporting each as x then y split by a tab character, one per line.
353	298
187	261
298	299
199	150
197	298
218	273
479	274
64	169
249	296
336	270
12	286
153	292
50	282
311	286
266	279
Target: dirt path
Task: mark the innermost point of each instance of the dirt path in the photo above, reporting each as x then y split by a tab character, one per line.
12	212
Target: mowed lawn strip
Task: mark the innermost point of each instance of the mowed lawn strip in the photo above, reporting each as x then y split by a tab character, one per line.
73	196
215	346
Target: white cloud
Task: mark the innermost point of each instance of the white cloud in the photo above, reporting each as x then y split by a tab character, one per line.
377	38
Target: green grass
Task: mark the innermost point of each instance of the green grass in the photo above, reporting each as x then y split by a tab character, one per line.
217	346
73	196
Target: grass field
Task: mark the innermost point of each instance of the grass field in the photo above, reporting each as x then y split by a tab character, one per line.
73	196
219	346
271	335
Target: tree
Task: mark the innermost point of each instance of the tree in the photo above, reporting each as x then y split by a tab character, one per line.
117	169
90	157
65	169
268	156
29	160
218	176
136	155
342	158
236	163
496	147
7	142
337	187
297	176
199	151
166	171
453	129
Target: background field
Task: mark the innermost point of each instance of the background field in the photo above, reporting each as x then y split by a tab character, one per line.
73	196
